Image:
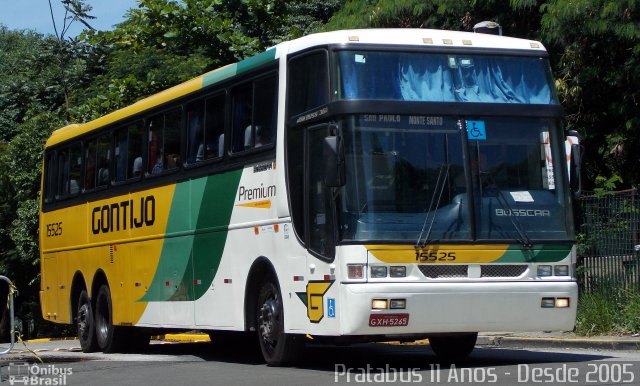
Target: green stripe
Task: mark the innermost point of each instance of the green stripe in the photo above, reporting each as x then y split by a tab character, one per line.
238	68
209	203
546	253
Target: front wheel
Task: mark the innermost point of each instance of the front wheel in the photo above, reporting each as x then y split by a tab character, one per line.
453	347
86	324
277	347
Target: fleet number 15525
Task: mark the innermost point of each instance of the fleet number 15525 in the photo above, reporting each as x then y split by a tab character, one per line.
435	256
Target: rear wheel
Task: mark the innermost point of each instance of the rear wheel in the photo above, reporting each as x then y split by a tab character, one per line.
277	347
86	324
453	347
110	338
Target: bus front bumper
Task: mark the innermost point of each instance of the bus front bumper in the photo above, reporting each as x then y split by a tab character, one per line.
458	307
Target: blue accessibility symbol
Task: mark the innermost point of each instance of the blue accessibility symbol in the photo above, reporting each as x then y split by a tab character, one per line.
476	130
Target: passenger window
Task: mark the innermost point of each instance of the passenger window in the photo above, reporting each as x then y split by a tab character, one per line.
254	108
164	141
265	109
195	137
50	177
134	153
63	173
103	150
205	122
214	127
242	102
90	165
128	152
75	169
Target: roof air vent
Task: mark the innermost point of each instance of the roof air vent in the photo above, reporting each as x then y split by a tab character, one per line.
488	27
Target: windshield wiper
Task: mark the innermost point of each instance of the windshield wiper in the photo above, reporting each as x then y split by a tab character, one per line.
504	205
443	174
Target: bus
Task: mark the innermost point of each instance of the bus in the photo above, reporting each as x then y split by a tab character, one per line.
347	186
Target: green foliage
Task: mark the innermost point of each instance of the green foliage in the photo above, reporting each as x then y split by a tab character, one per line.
518	18
597	46
606	185
611	311
597	314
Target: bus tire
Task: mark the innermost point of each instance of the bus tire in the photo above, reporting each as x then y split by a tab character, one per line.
85	324
277	348
453	347
110	338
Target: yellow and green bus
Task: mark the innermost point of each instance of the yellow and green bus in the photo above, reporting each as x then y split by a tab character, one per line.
349	186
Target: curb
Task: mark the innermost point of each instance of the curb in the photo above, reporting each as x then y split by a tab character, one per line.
40	340
185	337
540	342
483	340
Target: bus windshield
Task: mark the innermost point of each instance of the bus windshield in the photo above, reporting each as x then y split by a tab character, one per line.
407	179
440	77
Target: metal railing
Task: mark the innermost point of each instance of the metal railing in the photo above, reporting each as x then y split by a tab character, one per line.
12	331
608	245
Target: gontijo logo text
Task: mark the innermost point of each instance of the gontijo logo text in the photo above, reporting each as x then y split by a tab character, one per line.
123	215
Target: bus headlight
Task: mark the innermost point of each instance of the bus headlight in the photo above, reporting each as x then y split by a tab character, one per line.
398	304
545	270
398	271
378	271
379	304
561	270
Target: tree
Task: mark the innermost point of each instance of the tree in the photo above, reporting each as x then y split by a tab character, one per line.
597	47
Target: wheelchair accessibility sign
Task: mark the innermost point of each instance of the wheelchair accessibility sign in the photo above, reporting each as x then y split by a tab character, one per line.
476	131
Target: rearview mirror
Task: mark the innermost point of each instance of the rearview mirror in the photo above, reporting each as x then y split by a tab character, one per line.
333	153
575	164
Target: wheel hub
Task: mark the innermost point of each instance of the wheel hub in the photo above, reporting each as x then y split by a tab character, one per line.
83	321
269	321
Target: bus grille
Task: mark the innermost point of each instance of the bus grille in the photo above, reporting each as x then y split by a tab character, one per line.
462	271
502	270
444	271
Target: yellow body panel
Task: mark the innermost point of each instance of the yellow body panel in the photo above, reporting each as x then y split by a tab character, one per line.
103	235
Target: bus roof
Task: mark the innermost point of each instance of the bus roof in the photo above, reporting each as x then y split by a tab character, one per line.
414	37
397	36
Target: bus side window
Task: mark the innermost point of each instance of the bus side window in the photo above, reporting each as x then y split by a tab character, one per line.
195	132
50	177
103	150
164	141
90	164
75	169
62	188
242	110
214	127
254	107
265	109
134	150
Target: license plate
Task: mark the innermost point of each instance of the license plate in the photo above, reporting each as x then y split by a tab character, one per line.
388	320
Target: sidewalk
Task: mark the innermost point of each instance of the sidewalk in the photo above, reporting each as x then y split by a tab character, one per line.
508	339
497	339
558	340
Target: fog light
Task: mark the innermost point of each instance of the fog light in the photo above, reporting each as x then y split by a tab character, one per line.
562	302
548	303
561	270
355	271
379	304
378	271
398	304
398	271
544	270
